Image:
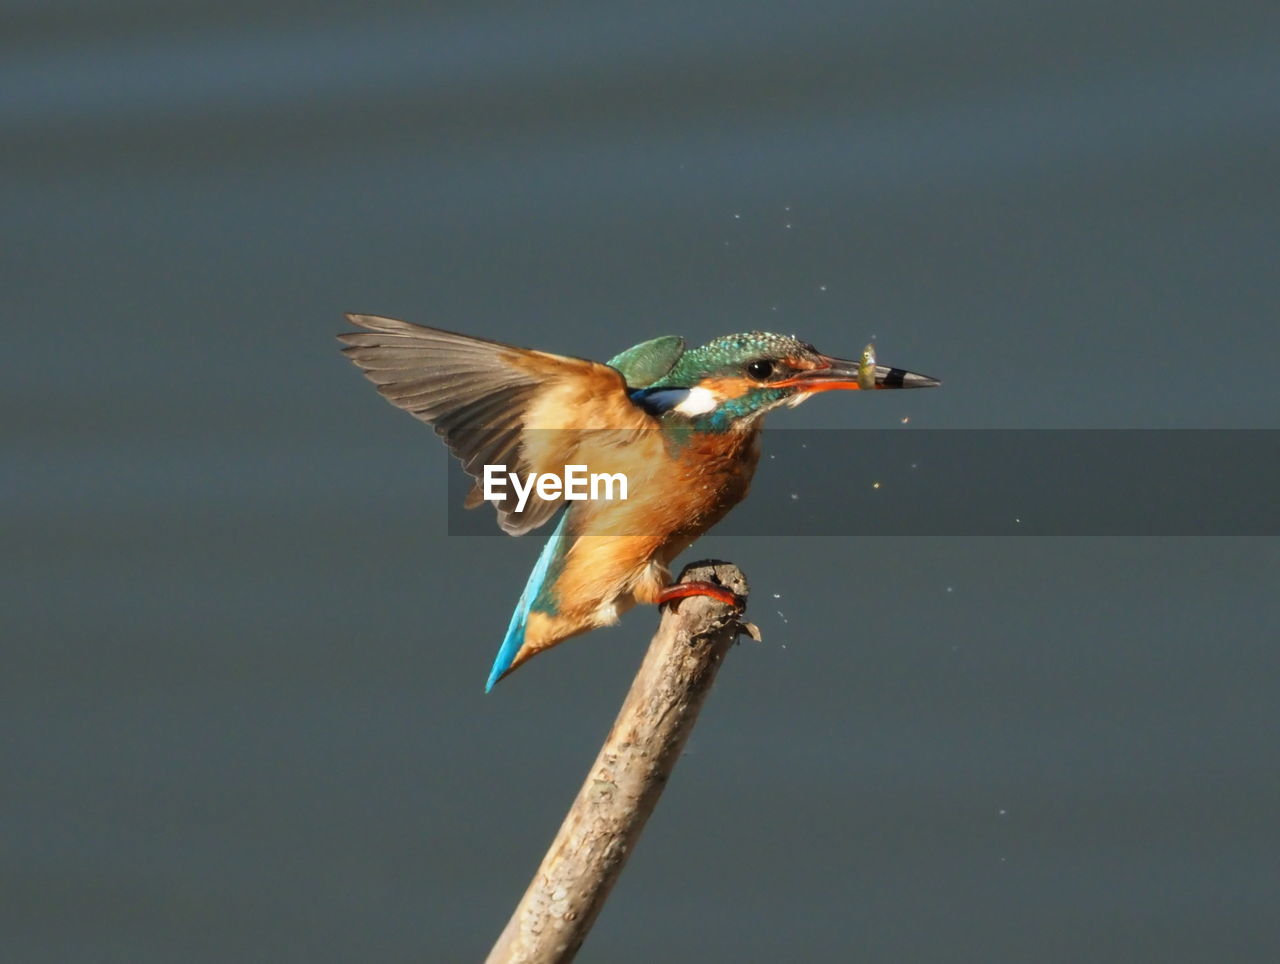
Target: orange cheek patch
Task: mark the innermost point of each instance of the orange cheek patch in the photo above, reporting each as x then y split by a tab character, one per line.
726	387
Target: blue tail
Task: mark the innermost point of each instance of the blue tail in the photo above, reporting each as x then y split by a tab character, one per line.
514	639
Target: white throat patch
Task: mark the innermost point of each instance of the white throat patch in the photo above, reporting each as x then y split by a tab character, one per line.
699	401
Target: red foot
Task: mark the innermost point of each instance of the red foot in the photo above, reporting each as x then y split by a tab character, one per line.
683	590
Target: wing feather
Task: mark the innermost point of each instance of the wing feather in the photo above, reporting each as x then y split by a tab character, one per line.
481	397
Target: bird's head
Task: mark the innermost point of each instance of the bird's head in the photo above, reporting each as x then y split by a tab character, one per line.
730	382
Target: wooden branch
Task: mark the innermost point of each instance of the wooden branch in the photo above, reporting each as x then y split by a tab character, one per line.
598	834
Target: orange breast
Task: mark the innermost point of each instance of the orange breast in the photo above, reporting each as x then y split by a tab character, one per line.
675	491
621	550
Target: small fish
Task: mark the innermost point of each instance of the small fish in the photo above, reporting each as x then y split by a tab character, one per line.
867	368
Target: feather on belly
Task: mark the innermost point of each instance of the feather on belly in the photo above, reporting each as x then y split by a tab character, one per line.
616	554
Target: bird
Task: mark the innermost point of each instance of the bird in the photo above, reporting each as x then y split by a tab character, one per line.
681	424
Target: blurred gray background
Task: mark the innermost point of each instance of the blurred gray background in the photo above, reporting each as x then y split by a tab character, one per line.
242	693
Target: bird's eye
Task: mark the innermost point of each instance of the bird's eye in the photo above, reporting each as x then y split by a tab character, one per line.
760	369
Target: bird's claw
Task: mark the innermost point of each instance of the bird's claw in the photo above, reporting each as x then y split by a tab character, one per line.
683	590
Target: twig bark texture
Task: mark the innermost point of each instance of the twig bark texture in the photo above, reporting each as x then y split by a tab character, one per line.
584	861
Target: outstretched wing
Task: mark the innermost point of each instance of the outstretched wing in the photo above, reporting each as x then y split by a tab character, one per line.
483	397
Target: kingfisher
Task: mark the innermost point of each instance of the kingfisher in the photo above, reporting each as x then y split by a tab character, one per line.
681	424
